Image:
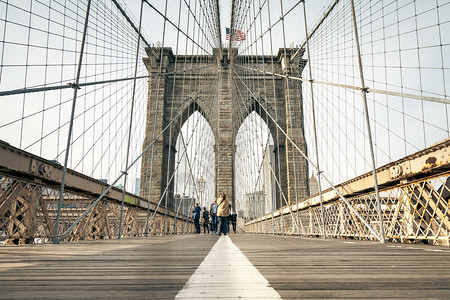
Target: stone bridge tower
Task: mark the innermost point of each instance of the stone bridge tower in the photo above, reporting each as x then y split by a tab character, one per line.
169	93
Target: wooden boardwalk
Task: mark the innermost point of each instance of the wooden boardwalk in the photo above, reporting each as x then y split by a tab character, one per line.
159	267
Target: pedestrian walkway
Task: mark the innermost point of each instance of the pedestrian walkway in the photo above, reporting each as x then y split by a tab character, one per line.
164	267
313	268
226	273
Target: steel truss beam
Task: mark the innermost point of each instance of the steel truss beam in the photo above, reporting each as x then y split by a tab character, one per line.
415	193
28	202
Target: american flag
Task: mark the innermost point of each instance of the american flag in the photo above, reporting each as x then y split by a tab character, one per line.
237	35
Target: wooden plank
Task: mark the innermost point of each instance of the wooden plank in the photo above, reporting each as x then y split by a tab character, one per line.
138	268
159	267
306	268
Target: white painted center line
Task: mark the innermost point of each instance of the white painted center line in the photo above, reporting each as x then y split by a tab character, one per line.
226	273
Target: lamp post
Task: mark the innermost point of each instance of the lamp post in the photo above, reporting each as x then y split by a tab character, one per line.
201	188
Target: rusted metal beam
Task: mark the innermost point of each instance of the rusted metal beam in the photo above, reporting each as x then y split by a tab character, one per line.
425	163
23	165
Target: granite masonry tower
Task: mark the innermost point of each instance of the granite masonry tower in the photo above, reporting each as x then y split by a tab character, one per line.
223	110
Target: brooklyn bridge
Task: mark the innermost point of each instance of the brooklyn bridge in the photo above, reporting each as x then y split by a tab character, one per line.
325	123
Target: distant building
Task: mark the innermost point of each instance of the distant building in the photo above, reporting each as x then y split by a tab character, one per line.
313	185
255	204
137	186
187	204
183	179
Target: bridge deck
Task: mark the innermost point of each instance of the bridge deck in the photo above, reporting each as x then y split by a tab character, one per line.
159	267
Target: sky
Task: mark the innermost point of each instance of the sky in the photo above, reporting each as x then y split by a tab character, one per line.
295	33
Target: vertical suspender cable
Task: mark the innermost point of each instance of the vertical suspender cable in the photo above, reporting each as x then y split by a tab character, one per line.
180	136
280	193
69	137
272	206
154	121
171	115
369	133
131	121
314	122
289	108
218	29
186	182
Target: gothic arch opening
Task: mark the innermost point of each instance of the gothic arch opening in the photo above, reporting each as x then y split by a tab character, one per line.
255	168
195	158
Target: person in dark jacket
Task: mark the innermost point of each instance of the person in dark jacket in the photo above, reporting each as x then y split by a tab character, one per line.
205	220
213	213
233	218
196	211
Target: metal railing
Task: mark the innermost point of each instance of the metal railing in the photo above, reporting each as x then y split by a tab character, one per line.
415	205
28	213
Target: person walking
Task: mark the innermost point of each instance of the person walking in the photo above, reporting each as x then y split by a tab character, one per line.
234	220
211	225
213	212
197	210
205	220
223	212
